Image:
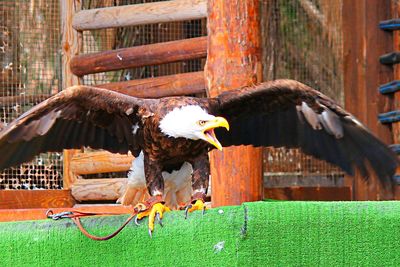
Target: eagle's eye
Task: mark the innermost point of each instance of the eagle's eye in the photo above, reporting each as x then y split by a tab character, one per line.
201	123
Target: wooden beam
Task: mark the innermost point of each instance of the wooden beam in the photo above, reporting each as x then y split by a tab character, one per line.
71	43
363	43
139	14
309	193
10	215
233	61
99	162
98	189
171	85
24	199
139	56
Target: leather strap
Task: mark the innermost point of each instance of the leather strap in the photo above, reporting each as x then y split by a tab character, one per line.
78	223
76	215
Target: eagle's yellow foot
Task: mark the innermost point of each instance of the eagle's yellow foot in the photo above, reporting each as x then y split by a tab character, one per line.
197	203
154	209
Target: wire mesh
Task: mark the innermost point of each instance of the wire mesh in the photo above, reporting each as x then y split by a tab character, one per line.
302	40
30	72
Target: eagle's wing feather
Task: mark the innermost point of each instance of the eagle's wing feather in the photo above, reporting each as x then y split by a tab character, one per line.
286	113
76	117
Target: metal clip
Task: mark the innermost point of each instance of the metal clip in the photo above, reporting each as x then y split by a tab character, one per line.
57	216
140	207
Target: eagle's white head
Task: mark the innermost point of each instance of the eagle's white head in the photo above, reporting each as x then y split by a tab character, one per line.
192	122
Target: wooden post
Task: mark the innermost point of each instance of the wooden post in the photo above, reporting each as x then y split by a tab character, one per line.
363	43
71	42
234	61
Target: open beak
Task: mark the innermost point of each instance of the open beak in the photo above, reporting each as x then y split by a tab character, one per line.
209	130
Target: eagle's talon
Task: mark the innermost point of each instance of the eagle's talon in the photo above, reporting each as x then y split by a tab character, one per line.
198	205
187	210
137	221
154	212
158	219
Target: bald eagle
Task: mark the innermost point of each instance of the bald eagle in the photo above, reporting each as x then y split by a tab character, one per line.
174	130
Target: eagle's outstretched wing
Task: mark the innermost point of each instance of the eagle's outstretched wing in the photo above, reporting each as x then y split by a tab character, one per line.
76	117
286	113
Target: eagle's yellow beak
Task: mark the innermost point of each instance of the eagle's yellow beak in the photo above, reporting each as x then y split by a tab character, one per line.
209	127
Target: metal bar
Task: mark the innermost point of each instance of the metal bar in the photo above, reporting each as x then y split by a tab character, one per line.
390	25
390	58
391	87
389	117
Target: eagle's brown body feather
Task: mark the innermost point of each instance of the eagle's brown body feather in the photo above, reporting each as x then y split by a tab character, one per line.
163	153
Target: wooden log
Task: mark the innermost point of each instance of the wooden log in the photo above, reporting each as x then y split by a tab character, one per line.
98	189
234	61
8	101
363	43
139	14
99	162
71	43
24	199
139	56
171	85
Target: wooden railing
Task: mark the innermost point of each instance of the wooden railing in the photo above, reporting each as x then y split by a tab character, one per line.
77	163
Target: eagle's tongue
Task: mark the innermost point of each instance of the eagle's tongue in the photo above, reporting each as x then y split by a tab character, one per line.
210	133
213	139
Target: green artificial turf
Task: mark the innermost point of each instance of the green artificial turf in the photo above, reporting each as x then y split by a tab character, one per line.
253	234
